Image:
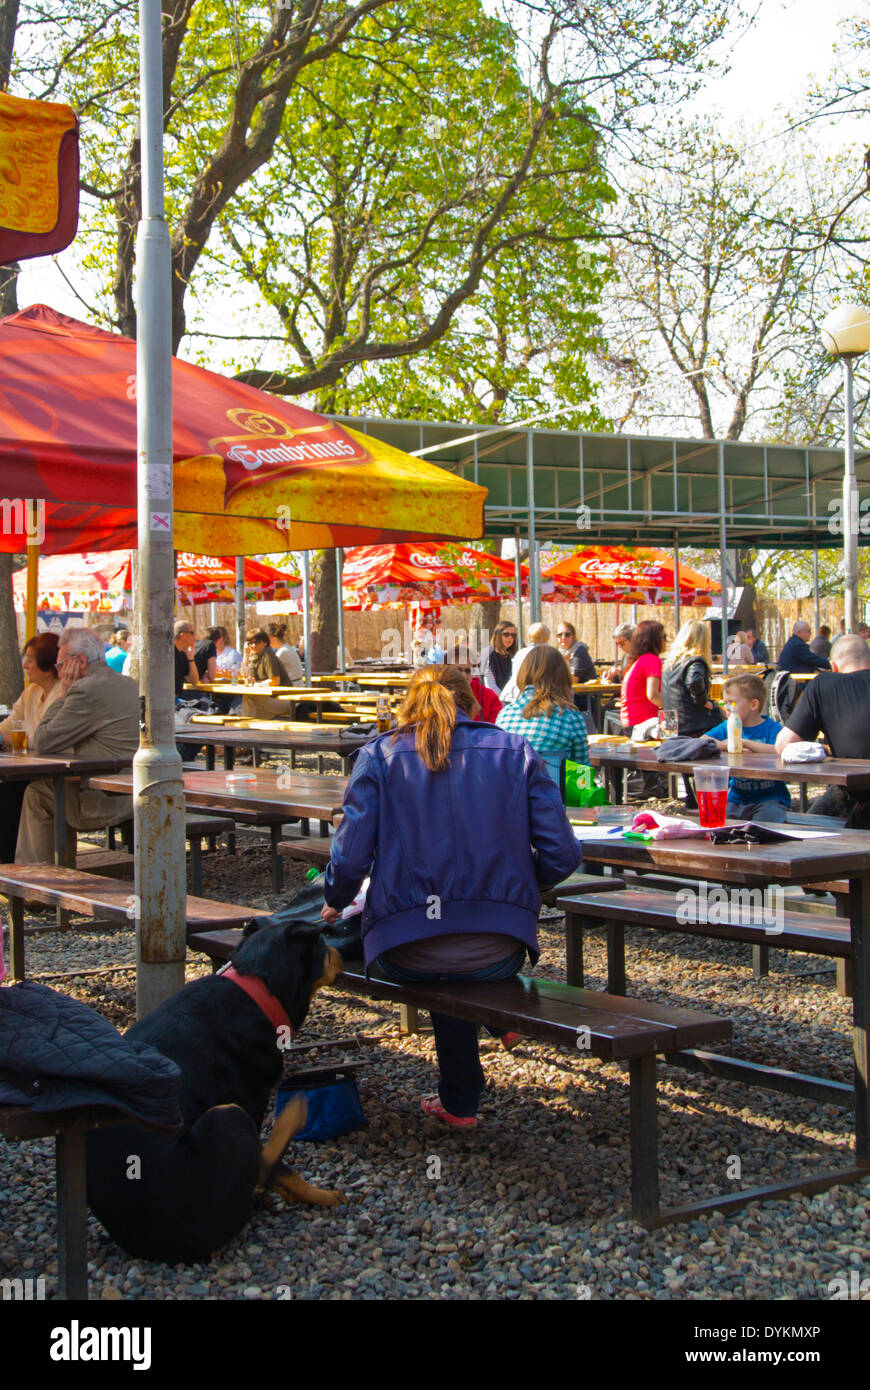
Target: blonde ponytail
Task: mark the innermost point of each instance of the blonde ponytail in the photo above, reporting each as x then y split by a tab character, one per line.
429	708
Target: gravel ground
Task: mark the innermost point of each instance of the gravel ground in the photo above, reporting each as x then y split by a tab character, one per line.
533	1204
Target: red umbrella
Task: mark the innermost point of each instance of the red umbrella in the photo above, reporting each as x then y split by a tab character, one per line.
396	574
252	473
88	579
614	574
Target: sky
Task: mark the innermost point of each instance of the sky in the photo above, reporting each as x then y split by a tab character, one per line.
772	65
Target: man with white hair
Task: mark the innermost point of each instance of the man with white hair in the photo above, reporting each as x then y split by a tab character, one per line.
97	716
837	706
797	656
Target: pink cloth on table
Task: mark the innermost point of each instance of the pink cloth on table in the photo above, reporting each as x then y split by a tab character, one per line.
634	706
667	827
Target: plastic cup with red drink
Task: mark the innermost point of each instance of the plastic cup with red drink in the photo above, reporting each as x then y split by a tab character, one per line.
711	788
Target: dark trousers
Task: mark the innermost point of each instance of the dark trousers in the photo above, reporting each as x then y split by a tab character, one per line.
11	799
461	1081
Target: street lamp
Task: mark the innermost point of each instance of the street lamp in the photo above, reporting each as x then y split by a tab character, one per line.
846	334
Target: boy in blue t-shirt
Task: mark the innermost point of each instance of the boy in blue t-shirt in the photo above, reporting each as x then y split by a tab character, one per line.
749	798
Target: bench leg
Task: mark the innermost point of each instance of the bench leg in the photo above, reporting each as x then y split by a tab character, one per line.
209	757
277	863
255	757
845	979
324	829
72	1216
760	961
16	937
196	865
409	1019
615	958
574	949
229	758
644	1140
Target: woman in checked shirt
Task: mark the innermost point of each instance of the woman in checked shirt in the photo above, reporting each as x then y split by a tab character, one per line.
545	713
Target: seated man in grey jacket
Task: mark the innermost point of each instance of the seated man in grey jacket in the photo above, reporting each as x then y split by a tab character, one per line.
97	717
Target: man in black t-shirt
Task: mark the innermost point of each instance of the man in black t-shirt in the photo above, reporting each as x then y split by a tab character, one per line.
837	706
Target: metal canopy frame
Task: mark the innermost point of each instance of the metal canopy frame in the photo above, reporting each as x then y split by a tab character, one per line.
572	487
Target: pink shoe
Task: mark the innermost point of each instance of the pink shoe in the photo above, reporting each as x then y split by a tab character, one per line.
431	1105
510	1040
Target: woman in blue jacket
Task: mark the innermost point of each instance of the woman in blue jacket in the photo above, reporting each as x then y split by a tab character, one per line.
457	823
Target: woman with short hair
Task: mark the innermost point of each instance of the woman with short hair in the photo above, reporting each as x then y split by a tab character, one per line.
43	687
458	826
544	712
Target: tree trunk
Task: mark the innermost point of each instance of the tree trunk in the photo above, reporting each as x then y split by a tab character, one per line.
11	676
324	612
482	618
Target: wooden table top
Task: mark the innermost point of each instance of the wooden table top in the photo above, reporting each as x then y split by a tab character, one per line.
23	766
807	859
314	737
294	692
306	794
852	774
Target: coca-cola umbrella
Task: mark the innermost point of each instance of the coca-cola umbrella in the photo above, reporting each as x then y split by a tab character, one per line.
103	581
615	574
380	575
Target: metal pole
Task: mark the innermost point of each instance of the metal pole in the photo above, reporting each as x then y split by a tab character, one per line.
518	588
723	564
339	565
240	603
158	794
534	562
850	510
816	588
676	583
306	614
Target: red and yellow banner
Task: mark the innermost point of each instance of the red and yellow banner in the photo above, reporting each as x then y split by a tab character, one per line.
39	178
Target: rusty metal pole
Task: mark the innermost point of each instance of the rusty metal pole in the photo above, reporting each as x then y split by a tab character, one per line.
158	793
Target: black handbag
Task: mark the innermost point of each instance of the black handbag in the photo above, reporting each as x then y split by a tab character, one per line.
343	936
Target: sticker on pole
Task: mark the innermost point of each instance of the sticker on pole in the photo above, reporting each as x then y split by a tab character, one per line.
158	480
161	521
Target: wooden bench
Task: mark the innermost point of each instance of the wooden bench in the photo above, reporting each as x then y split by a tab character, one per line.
789	931
826	936
69	1129
598	1025
311	849
196	829
106	899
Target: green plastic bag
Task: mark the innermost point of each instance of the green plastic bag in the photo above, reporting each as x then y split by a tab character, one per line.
580	788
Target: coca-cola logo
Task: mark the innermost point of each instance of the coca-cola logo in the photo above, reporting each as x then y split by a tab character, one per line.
622	572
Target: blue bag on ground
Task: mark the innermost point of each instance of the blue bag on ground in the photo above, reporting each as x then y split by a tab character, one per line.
334	1105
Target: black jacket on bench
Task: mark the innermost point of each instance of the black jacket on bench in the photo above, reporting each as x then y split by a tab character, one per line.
56	1053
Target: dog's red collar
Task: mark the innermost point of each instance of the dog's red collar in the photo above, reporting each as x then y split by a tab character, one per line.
256	990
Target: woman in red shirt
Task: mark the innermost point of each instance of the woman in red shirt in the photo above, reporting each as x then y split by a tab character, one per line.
640	696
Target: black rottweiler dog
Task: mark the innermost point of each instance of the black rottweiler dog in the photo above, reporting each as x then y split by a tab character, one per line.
179	1198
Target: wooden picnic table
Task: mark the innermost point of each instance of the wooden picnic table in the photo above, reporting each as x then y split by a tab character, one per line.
851	774
806	858
303	795
291	738
17	767
293	695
